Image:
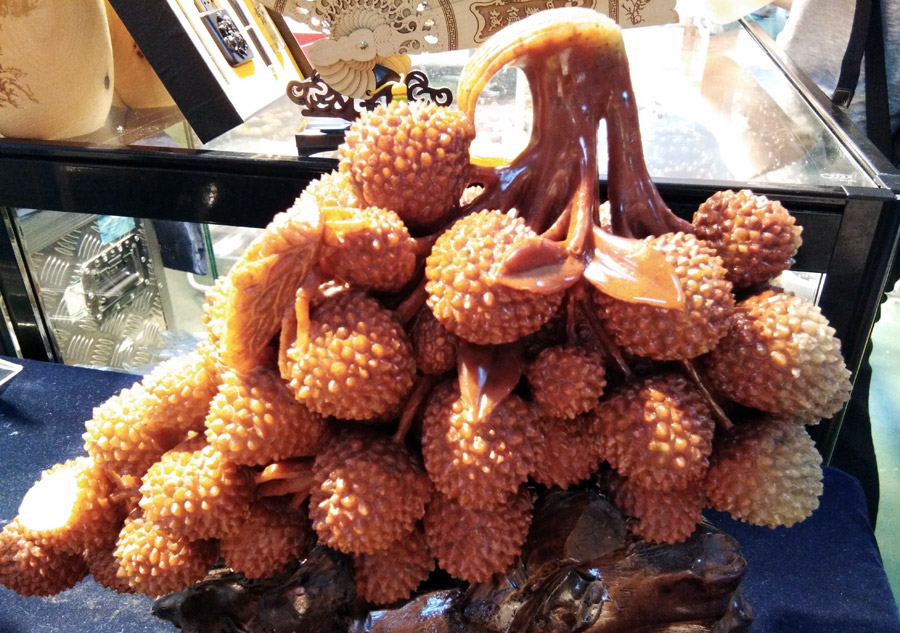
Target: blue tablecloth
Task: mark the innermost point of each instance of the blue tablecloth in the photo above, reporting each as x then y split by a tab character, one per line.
821	576
42	415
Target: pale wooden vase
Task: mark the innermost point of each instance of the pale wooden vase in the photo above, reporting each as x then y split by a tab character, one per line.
56	68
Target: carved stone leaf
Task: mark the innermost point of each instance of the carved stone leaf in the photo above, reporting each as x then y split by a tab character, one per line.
487	374
632	270
340	223
265	281
541	266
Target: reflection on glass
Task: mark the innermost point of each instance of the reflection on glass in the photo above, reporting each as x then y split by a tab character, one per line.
97	286
716	107
712	107
109	297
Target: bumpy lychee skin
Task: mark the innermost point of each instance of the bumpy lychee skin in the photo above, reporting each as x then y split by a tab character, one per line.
118	437
566	380
335	190
273	537
435	347
368	247
368	491
135	427
670	334
569	453
254	419
765	472
664	516
478	462
394	573
32	569
156	562
657	431
357	364
214	311
181	389
104	567
463	288
70	508
412	158
756	238
195	492
781	356
472	544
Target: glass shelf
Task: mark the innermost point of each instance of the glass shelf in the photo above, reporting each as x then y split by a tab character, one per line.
712	107
716	107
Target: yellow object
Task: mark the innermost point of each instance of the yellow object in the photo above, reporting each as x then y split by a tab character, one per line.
56	69
489	161
399	91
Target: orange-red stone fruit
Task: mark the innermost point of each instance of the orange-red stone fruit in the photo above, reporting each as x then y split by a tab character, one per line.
368	491
464	288
368	247
766	471
666	333
756	238
132	429
393	573
657	431
196	492
156	562
664	516
72	506
473	544
477	461
566	380
254	419
274	536
412	158
32	569
357	363
781	355
569	451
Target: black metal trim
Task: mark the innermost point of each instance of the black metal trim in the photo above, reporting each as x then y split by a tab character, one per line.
24	309
189	185
9	344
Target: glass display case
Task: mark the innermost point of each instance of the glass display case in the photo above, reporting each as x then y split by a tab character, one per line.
717	110
109	243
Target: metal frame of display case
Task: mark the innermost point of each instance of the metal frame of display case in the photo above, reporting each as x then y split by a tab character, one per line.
850	233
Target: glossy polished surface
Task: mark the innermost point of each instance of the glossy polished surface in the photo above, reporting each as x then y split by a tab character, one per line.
713	106
797	580
717	111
